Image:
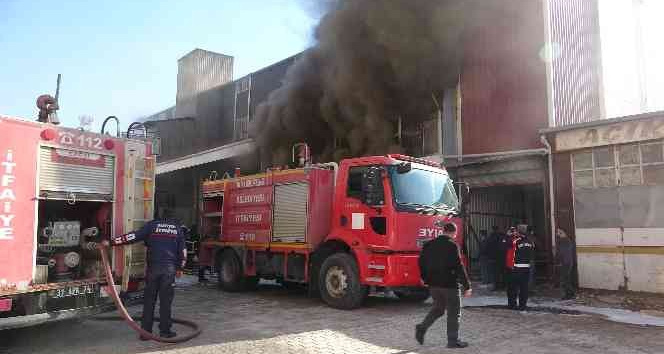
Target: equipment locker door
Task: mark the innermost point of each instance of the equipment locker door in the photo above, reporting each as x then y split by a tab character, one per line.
75	175
138	210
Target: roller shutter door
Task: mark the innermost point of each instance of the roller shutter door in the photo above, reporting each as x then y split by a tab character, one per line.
290	212
65	173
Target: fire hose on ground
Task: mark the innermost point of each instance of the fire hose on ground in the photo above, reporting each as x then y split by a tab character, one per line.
127	318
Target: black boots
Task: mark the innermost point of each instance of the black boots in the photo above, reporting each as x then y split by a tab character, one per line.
419	334
456	344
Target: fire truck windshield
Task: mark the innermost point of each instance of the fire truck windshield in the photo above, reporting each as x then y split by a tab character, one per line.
420	188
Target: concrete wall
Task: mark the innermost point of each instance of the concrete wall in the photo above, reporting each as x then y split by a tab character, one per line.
614	258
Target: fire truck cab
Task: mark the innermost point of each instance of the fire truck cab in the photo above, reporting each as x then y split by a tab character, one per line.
343	230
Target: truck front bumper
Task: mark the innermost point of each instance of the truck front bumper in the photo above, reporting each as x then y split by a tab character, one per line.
33	320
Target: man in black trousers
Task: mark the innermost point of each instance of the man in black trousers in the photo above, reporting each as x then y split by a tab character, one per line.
166	257
520	257
498	247
566	256
442	270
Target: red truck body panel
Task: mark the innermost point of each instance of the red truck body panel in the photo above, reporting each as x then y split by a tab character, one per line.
249	205
18	156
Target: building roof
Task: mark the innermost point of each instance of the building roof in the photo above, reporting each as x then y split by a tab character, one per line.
204	51
237	148
601	122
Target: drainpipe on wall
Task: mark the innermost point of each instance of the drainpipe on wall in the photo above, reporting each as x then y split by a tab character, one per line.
552	203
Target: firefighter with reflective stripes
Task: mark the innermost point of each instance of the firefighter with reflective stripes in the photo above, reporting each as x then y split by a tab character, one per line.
518	262
166	257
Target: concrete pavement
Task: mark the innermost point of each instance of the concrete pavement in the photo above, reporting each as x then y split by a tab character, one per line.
273	320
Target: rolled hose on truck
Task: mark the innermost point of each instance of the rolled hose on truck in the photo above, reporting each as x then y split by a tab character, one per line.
127	318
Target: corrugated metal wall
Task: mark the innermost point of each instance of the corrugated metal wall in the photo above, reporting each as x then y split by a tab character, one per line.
266	80
176	137
450	128
574	31
198	71
214	119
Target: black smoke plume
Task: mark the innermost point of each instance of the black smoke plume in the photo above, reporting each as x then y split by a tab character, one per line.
374	62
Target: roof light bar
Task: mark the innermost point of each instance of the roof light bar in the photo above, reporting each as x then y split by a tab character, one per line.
414	159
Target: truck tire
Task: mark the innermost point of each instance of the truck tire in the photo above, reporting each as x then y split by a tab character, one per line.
250	283
229	271
339	282
414	295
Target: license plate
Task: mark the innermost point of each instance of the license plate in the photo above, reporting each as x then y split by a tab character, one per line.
69	291
106	292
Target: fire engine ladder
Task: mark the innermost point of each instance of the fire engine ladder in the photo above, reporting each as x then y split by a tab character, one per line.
139	209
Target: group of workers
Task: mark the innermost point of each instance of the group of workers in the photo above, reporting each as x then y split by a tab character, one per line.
496	267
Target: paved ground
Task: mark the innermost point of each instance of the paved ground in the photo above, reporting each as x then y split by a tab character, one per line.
275	321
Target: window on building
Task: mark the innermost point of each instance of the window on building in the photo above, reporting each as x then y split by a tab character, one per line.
625	165
653	163
583	169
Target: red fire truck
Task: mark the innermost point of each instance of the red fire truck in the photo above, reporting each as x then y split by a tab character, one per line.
342	229
62	190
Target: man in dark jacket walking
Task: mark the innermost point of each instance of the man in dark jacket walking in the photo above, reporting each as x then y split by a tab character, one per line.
442	270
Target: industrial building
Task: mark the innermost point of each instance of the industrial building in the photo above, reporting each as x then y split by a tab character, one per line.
534	73
207	131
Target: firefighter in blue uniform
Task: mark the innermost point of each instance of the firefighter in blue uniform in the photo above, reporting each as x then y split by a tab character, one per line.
166	257
519	258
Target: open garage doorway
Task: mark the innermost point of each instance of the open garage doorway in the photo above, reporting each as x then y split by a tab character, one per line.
505	206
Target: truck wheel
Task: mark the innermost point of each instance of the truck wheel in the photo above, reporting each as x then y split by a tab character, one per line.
339	282
414	295
229	271
251	283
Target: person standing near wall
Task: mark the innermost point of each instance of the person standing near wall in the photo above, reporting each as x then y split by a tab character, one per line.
497	248
566	257
532	238
484	257
518	263
166	257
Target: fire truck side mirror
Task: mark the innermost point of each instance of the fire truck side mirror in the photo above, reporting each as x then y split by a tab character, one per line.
373	193
464	194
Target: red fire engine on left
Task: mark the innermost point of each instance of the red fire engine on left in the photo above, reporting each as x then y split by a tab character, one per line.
61	191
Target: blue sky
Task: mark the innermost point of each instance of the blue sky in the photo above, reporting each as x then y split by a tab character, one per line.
120	57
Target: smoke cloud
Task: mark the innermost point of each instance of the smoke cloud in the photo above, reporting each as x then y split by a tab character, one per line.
374	62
